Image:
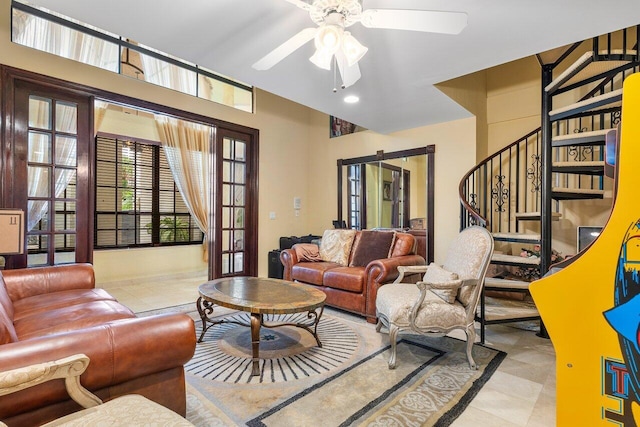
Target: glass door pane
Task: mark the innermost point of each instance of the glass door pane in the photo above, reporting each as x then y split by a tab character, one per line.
234	183
51	181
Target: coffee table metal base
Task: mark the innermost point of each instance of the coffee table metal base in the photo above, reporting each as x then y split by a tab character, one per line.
205	308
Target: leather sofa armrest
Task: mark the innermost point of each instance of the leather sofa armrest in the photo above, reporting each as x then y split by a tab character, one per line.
381	271
119	351
27	282
288	258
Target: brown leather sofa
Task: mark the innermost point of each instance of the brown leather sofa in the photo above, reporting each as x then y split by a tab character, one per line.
352	287
48	313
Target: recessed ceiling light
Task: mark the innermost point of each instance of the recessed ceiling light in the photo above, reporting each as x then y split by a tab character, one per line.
351	99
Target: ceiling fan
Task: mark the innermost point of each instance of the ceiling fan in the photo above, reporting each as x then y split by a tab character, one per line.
332	42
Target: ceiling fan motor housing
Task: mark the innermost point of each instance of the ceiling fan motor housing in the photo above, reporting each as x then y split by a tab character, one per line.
329	11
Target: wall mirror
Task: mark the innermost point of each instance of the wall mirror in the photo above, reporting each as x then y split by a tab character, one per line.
391	190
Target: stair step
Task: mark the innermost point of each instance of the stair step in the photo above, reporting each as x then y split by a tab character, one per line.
497	314
503	259
594	137
587	67
535	216
496	284
571	71
611	98
559	193
583	168
516	237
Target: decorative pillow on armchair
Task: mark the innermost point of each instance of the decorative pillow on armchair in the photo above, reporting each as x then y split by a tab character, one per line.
336	246
446	282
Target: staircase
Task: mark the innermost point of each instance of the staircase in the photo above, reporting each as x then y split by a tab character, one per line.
518	193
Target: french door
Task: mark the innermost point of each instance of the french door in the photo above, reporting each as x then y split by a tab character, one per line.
50	173
236	218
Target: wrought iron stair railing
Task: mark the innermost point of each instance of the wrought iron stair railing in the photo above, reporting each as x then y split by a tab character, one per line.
506	188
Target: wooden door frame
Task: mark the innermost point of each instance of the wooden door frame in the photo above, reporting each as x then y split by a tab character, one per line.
15	155
9	75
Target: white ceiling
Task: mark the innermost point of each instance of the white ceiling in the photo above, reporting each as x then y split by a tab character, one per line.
398	73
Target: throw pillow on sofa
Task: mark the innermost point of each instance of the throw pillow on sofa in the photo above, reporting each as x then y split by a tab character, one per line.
370	246
336	246
446	283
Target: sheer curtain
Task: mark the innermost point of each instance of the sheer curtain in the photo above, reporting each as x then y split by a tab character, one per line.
99	111
164	74
186	146
41	34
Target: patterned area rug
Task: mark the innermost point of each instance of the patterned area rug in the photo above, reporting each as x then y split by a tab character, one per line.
431	385
287	353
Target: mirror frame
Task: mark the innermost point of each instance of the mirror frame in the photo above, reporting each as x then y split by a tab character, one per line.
380	155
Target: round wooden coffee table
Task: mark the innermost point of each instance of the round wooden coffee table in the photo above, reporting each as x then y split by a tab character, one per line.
259	296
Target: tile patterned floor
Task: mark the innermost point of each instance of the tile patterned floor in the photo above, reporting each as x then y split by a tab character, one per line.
520	393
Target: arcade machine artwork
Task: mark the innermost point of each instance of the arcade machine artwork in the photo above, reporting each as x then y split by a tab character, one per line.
622	380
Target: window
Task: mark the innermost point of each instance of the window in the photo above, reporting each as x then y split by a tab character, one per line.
137	201
62	36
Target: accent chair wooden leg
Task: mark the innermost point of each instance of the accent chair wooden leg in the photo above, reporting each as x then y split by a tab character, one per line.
393	337
379	324
471	338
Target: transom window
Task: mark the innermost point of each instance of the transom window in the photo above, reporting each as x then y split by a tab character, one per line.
54	33
137	201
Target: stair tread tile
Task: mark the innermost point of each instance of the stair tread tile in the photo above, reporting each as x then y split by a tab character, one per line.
577	190
573	68
536	215
533	238
591	133
579	163
493	282
515	259
607	98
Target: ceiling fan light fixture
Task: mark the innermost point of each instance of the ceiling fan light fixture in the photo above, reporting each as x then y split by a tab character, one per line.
329	38
322	59
352	48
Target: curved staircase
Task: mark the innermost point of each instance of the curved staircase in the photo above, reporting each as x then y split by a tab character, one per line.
522	187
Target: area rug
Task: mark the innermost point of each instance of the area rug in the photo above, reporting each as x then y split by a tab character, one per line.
432	384
287	353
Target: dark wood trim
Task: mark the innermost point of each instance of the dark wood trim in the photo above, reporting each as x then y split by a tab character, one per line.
16	160
380	155
340	206
251	200
431	179
112	97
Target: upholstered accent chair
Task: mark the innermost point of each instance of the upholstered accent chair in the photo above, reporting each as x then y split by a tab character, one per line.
445	299
129	409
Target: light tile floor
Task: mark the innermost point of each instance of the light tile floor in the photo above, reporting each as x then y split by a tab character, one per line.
520	393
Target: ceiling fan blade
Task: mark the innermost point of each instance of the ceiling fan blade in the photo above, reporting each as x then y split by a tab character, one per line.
301	4
349	74
285	49
415	20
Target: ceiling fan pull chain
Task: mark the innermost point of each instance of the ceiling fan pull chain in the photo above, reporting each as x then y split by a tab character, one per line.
335	67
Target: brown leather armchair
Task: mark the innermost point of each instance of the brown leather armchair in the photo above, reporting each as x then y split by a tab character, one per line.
53	312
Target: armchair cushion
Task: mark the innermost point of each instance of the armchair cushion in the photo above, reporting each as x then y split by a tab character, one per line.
395	302
336	246
371	245
446	283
